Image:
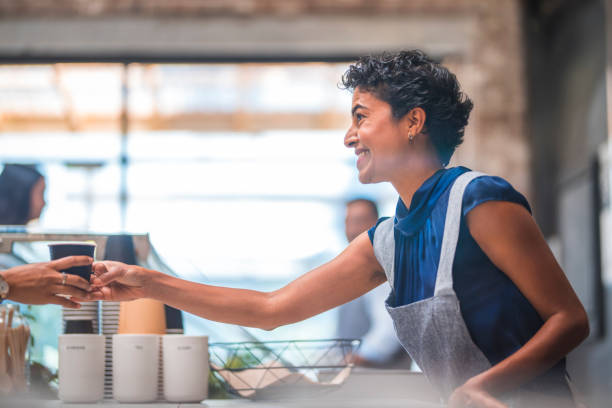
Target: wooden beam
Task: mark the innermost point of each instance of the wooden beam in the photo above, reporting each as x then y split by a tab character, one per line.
202	122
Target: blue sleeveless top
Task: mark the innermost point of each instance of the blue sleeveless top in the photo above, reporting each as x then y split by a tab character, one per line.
499	318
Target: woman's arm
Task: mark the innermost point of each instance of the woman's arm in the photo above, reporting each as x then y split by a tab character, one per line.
352	273
509	236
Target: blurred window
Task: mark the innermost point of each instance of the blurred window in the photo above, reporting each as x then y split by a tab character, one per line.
238	171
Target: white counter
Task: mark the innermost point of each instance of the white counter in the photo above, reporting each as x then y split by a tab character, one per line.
365	388
378	403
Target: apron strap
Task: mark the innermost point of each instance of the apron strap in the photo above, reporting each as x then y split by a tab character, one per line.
384	248
452	223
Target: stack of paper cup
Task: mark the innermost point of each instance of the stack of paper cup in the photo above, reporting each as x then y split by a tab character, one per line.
110	323
142	316
87	313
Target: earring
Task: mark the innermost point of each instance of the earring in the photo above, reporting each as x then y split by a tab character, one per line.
410	138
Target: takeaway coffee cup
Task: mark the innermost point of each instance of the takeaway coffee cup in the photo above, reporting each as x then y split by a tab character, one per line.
63	249
135	367
81	367
185	367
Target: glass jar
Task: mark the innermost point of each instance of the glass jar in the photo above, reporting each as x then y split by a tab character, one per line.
14	350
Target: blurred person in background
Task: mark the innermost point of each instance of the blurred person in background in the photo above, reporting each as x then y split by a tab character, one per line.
22	199
478	299
365	318
22	194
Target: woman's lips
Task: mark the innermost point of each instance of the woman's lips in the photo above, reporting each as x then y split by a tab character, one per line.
362	157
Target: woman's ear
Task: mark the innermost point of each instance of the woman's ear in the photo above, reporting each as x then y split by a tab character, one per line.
414	122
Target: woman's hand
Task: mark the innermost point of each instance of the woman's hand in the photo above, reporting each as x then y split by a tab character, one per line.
39	283
471	395
511	239
117	281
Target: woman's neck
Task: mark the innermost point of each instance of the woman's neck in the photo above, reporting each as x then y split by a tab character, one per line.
413	177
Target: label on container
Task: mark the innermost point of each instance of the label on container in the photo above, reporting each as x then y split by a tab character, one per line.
76	348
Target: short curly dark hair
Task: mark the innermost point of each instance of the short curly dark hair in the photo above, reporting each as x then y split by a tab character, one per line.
410	79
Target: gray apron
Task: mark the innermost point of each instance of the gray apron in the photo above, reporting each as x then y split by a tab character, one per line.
433	331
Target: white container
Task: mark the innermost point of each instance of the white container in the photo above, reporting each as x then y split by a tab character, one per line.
185	368
81	367
135	367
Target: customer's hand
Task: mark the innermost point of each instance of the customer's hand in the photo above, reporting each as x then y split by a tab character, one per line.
117	281
470	395
39	283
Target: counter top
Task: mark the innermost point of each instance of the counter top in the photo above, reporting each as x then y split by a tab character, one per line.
239	403
363	388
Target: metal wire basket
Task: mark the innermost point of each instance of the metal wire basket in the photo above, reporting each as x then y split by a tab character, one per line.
300	365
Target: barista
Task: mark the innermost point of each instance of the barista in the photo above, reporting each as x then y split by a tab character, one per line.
478	299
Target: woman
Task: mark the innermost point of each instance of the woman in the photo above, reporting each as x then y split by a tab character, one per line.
477	297
22	194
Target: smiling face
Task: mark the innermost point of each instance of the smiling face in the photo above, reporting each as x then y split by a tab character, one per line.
380	141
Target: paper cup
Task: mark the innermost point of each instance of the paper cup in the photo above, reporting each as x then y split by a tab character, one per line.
64	249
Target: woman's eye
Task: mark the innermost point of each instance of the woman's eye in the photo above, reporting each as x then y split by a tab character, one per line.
359	116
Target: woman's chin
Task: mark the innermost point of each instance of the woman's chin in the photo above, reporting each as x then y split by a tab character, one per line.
365	177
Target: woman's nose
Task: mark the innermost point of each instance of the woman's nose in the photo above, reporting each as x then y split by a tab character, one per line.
351	137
